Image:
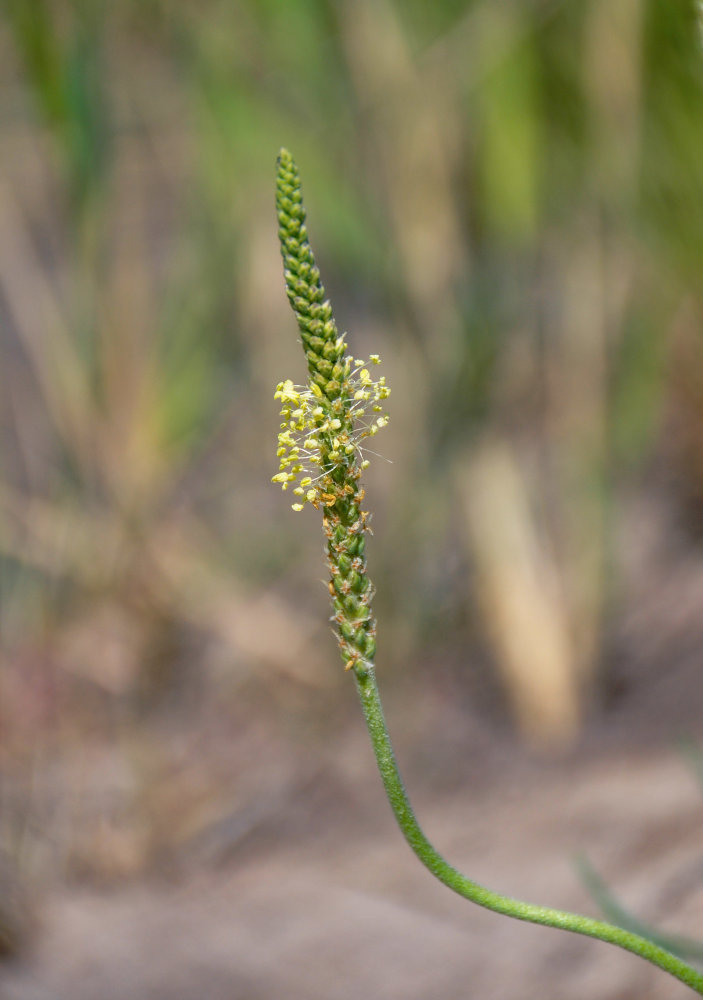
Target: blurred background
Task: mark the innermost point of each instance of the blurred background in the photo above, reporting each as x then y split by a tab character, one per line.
506	202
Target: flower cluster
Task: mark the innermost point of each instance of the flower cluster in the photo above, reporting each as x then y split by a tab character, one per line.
318	435
324	424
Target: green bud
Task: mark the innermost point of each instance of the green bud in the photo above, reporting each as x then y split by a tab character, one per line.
361	670
360	637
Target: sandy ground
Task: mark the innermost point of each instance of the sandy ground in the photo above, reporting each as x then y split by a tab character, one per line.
322	899
302	888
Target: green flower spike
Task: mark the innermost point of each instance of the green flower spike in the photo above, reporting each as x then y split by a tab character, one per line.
321	457
324	424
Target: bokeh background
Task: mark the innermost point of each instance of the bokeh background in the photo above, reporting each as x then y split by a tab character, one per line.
506	202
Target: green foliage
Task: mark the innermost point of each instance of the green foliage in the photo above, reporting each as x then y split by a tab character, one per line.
65	70
507	194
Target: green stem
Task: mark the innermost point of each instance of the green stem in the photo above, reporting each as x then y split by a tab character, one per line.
441	869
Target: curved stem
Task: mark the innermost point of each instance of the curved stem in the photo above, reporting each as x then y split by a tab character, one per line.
441	869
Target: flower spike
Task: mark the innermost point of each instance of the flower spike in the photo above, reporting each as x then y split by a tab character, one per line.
321	457
323	426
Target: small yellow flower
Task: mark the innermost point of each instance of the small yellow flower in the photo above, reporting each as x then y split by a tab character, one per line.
286	391
323	434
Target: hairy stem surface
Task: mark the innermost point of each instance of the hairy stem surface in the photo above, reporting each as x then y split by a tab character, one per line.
441	869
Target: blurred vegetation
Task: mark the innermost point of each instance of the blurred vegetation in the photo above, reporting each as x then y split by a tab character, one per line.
506	202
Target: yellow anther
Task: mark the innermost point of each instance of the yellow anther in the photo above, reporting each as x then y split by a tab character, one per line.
286	391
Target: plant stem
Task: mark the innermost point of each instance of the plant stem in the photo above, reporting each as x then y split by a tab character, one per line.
325	415
442	870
